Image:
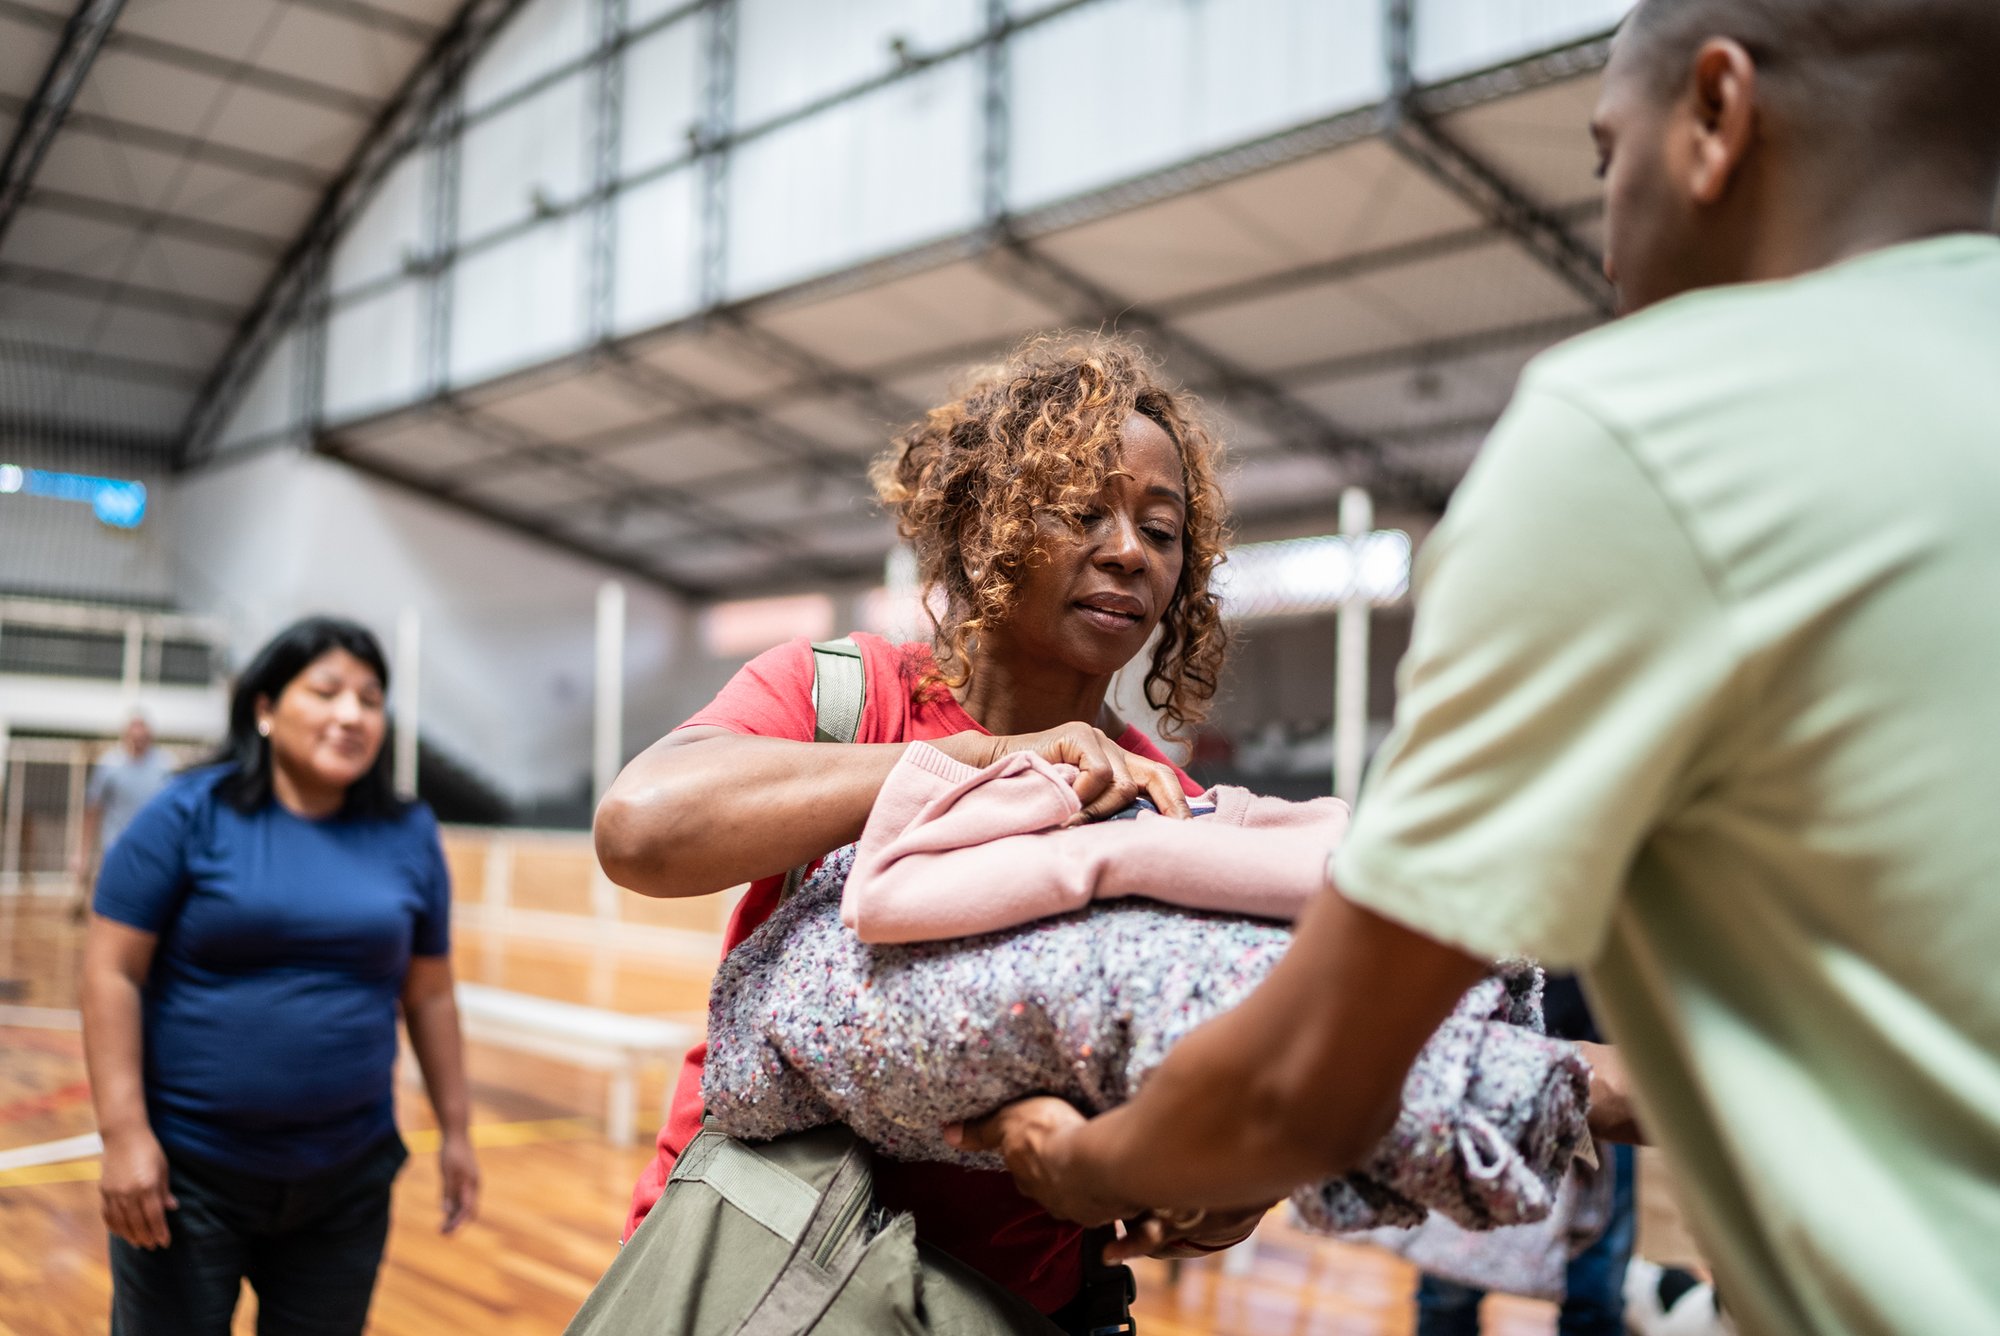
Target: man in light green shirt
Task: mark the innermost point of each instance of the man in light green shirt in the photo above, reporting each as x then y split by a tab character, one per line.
1704	699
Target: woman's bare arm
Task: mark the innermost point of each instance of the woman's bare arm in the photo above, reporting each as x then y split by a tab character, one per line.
704	809
134	1190
430	1013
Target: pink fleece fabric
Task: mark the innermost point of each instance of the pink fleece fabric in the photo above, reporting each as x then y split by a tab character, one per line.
951	850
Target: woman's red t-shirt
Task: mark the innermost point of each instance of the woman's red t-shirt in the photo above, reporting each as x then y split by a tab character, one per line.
977	1217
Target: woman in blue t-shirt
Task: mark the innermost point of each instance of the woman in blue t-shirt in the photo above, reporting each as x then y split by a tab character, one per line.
256	928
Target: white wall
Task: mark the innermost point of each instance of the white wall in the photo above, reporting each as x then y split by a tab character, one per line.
507	623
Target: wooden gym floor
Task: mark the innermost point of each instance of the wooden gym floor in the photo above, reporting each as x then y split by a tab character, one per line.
555	1192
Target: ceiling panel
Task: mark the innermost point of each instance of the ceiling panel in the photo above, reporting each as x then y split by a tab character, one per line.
100	167
1426	392
1539	141
838	422
870	538
61	240
1299	325
81	322
641	529
143	408
282	127
1241	433
1280	481
76	245
569	407
1469	291
145	92
213	273
689	455
800	503
24	54
1338	204
235	31
437	13
326	47
713	366
426	446
956	304
712	560
531	490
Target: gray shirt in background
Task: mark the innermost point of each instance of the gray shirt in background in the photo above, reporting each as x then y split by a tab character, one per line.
121	784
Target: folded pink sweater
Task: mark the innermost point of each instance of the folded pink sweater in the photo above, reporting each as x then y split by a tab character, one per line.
953	851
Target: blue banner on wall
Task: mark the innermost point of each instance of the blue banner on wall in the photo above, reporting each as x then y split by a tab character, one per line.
118	502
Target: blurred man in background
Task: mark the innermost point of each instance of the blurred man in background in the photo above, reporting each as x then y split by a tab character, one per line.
123	781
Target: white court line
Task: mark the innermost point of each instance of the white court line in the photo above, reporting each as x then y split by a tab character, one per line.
52	1152
40	1018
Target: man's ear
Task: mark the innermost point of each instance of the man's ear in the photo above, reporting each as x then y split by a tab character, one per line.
1724	99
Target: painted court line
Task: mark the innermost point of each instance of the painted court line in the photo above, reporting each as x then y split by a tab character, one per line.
74	1159
40	1018
50	1152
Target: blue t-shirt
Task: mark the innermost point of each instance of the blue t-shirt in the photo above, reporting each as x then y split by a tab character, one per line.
270	1008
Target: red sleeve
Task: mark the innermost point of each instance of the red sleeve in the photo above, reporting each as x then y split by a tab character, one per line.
1132	740
770	696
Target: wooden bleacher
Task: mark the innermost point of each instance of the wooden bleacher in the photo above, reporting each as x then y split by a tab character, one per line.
556	962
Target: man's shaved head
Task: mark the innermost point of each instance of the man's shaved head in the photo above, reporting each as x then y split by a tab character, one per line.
1761	139
1874	76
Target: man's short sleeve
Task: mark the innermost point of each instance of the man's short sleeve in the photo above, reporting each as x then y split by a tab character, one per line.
770	696
144	869
94	792
1568	653
433	928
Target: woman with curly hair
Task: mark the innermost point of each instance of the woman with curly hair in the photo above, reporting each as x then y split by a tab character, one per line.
1066	508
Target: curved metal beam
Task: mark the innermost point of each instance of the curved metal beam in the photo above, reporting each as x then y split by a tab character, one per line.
1413	131
76	50
401	124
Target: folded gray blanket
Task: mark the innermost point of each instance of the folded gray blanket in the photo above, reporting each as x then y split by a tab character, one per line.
808	1026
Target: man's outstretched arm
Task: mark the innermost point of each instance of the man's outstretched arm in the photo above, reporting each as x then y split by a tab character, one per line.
1296	1084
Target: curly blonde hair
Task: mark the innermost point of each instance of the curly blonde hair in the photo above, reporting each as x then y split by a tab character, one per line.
1040	435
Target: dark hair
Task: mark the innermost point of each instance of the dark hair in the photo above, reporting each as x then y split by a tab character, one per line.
247	786
1869	81
1038	435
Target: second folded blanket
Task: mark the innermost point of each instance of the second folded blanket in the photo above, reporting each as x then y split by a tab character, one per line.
952	850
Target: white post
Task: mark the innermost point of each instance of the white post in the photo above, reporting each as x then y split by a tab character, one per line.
608	753
1350	674
135	658
409	658
10	843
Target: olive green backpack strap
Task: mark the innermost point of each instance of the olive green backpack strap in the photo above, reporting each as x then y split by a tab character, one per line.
839	694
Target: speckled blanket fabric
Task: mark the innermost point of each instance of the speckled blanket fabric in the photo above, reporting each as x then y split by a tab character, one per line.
808	1025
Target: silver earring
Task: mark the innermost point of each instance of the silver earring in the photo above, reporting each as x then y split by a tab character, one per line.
264	728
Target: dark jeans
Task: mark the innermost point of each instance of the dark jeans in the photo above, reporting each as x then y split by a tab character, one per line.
1594	1289
310	1250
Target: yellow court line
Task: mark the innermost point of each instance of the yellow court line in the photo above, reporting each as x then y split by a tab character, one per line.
76	1171
421	1140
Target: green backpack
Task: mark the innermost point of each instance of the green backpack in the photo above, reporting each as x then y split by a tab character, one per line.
783	1237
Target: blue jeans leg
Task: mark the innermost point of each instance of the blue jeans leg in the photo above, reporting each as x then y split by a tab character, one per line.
1594	1302
1446	1308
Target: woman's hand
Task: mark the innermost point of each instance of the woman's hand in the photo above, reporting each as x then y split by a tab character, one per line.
458	1172
134	1189
1108	777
